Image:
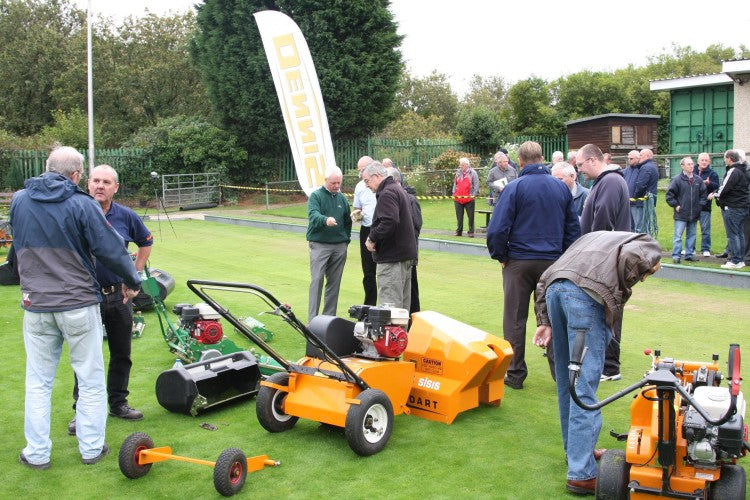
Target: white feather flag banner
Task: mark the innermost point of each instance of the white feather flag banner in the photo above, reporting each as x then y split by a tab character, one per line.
299	96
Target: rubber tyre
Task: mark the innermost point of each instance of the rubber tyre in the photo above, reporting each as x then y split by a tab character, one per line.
129	452
370	423
730	486
614	476
269	405
230	472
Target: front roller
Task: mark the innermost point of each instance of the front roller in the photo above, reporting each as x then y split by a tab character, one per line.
137	454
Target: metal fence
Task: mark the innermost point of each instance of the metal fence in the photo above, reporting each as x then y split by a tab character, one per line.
186	190
403	153
549	144
19	165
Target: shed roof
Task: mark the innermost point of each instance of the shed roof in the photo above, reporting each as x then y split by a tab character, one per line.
610	115
730	72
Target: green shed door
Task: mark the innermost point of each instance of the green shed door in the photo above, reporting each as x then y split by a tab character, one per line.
702	119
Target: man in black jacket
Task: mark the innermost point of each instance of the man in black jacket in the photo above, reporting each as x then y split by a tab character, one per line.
391	239
732	197
687	195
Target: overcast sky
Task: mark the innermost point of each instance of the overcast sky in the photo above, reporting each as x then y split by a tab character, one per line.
523	38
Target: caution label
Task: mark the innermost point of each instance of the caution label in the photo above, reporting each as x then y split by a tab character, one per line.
431	365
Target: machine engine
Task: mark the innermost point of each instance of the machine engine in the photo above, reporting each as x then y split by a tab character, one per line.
709	445
201	321
380	330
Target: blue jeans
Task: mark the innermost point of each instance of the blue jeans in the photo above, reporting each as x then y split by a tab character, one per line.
690	230
572	311
734	225
705	231
43	335
636	218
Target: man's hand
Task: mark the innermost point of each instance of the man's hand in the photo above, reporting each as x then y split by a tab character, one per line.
543	335
331	221
128	293
370	245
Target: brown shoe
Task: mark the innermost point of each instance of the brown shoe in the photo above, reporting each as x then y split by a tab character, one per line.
582	486
457	233
470	234
599	453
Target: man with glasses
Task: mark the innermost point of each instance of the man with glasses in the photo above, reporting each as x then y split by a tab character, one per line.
391	239
58	230
607	208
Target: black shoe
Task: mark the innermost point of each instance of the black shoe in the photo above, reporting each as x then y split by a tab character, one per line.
457	233
513	385
470	234
126	412
690	258
92	461
23	461
676	260
72	427
722	255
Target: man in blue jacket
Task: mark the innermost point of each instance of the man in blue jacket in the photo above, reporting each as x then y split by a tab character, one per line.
533	223
642	179
58	230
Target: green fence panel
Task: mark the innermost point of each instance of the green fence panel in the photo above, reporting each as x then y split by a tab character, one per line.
549	144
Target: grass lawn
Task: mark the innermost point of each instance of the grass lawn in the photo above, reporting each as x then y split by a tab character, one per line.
512	451
439	215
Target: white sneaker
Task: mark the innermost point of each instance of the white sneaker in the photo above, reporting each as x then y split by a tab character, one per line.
732	265
682	253
707	254
604	378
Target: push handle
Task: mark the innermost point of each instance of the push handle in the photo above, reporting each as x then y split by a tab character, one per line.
733	368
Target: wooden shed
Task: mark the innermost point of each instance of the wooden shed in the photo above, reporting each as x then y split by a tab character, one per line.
614	133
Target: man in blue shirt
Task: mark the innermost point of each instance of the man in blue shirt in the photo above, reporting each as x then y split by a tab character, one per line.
116	308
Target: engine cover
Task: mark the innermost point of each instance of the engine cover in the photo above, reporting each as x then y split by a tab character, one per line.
207	331
393	342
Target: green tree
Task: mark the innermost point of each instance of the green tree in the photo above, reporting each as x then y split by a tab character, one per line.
354	46
410	126
480	128
430	96
489	92
35	49
530	109
190	144
142	73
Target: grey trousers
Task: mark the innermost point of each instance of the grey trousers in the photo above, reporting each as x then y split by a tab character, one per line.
326	263
394	283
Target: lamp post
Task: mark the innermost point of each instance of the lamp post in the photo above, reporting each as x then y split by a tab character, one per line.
90	89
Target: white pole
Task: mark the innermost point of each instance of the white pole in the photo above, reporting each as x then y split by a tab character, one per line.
90	90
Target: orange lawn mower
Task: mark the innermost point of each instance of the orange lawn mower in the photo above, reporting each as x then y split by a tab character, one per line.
686	432
360	374
137	454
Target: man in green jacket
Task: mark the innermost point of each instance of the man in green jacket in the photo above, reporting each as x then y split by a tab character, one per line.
328	233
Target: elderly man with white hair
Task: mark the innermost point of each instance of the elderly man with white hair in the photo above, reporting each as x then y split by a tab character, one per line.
499	176
328	232
566	173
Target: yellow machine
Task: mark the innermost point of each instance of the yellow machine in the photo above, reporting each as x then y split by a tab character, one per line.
359	374
686	433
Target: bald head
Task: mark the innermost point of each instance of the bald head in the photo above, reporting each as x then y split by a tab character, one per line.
646	154
363	162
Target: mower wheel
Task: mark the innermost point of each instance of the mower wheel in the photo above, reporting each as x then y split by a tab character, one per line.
730	486
130	452
230	472
614	476
370	423
269	405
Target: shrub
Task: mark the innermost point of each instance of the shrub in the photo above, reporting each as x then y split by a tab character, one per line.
183	145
